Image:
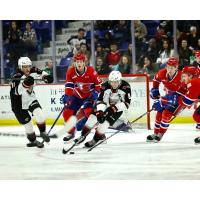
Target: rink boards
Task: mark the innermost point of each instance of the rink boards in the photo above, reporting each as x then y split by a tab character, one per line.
49	98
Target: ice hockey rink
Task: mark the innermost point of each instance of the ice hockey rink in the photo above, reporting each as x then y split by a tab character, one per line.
126	156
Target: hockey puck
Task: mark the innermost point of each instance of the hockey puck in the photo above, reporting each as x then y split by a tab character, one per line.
71	152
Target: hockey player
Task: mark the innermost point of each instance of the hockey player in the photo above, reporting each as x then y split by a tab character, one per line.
171	79
81	90
190	75
114	99
24	102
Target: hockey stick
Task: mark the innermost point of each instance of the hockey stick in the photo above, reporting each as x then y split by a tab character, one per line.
55	122
19	79
76	142
97	144
141	116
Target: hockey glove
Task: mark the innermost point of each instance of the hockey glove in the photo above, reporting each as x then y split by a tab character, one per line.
28	81
35	70
100	116
154	93
65	99
111	110
95	95
48	78
157	106
170	100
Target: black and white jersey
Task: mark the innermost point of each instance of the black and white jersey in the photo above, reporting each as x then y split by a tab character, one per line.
21	96
120	97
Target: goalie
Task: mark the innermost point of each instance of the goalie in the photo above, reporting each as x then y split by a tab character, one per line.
114	99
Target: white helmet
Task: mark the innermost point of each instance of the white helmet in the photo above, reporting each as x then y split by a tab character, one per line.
115	76
24	61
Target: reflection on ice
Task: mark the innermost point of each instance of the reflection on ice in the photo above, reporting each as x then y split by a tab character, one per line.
126	156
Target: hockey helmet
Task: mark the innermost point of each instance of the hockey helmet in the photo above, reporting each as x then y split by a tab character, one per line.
172	62
24	61
115	76
191	70
79	56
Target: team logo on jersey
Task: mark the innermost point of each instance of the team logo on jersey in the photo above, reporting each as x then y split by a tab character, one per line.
26	120
73	77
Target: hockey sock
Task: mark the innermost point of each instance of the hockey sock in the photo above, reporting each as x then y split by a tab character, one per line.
166	116
157	122
196	117
85	131
41	127
31	137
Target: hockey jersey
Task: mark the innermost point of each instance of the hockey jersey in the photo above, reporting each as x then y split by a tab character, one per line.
120	97
19	94
193	93
81	85
170	84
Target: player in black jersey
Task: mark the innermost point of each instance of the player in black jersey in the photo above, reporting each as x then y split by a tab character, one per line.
114	99
24	102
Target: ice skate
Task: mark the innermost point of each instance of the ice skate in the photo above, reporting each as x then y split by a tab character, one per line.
68	138
150	138
35	143
96	139
45	137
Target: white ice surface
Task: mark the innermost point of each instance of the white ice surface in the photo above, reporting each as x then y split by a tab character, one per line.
126	156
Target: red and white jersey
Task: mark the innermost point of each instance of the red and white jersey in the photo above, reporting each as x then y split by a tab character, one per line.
193	93
170	84
81	85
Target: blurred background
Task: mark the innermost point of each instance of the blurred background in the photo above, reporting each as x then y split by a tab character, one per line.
137	46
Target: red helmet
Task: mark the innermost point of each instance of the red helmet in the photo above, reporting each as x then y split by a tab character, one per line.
79	56
191	70
197	53
172	62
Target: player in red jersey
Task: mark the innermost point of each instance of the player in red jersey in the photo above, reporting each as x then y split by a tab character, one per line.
171	79
190	76
81	90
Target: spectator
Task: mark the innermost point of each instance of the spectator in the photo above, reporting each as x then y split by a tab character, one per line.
164	54
30	42
192	38
129	52
140	30
107	40
198	44
49	67
101	68
160	35
14	43
75	40
121	31
83	50
113	57
184	54
100	52
124	65
147	68
151	51
140	34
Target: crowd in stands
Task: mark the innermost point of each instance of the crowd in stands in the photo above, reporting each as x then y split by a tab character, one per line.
113	43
